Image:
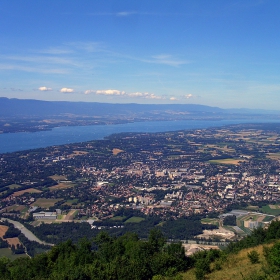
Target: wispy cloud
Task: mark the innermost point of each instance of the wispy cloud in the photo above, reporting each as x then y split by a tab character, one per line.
167	60
40	59
56	51
35	69
125	14
16	89
139	13
117	14
87	46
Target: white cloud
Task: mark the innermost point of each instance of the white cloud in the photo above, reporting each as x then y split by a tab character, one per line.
153	96
189	95
146	95
110	92
44	89
173	98
136	94
115	92
67	90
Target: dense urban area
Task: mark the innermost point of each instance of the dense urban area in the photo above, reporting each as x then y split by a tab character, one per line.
213	185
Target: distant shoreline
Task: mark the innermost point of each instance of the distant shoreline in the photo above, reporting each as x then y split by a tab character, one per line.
62	135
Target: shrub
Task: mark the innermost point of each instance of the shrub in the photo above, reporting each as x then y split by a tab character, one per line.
254	256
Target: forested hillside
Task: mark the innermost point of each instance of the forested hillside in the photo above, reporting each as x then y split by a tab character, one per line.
128	257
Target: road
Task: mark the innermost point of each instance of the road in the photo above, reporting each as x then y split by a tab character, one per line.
28	234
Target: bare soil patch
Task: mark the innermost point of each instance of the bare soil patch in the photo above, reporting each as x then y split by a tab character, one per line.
32	190
13	241
275	156
273	206
61	186
15	208
45	202
116	151
260	219
3	230
70	215
227	161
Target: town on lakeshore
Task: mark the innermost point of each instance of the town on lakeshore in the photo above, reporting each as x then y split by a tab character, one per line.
226	180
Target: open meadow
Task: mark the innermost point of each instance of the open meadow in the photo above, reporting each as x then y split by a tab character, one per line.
61	186
45	203
31	190
6	252
229	161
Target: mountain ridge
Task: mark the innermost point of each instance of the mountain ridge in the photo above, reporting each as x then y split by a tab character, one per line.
13	107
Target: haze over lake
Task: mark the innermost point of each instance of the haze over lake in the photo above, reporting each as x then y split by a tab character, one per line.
11	142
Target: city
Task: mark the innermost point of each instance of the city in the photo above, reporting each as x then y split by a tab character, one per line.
168	175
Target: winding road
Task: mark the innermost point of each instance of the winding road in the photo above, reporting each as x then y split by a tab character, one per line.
28	234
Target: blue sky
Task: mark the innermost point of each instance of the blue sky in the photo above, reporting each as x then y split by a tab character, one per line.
217	53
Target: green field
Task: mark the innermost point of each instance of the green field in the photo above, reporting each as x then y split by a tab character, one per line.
246	230
14	186
71	201
267	210
6	252
251	207
134	220
118	218
268	219
210	221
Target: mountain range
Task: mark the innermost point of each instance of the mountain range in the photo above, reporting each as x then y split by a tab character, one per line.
38	108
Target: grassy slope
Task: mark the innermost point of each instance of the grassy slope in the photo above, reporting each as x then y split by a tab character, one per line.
237	267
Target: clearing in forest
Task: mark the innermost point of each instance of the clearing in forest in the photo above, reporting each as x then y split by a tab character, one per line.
3	230
116	151
61	186
31	190
58	177
45	202
227	161
275	156
78	153
71	215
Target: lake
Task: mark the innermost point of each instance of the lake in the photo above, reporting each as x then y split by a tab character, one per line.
11	142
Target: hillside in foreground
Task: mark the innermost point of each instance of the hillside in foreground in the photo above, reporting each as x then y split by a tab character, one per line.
256	257
237	266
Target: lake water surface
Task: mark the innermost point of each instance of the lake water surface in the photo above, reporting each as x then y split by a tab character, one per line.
11	142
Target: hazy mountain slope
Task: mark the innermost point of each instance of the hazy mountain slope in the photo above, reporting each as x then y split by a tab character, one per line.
17	107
